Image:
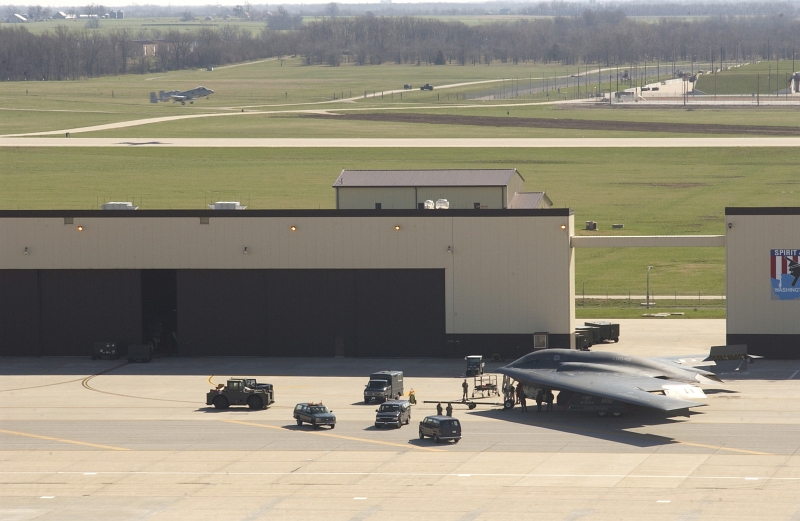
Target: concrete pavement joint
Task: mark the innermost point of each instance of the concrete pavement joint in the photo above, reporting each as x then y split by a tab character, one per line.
339	436
762	479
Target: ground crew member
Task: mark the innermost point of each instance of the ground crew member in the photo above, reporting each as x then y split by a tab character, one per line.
523	401
449	409
539	400
548	397
519	390
465	387
412	399
439	408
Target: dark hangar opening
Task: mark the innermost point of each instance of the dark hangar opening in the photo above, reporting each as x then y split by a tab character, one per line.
353	313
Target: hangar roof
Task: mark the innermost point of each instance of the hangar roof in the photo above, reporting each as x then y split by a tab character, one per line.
530	200
395	178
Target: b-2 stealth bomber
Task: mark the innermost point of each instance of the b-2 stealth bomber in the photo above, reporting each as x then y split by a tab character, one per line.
607	382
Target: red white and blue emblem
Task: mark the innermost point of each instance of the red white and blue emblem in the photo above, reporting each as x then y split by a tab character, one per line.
784	273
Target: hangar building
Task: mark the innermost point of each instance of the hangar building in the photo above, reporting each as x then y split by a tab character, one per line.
409	189
763	279
287	283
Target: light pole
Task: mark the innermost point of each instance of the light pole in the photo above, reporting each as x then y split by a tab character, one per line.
648	287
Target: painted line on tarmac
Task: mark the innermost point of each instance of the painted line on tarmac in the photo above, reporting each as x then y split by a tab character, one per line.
86	380
339	436
62	440
62	383
401	474
742	451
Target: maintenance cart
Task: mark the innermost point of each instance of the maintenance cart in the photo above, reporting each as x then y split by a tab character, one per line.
485	384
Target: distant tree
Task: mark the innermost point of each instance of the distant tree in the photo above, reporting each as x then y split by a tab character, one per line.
332	9
93	23
187	16
282	20
439	60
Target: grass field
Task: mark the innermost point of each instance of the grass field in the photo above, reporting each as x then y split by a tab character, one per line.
143	27
766	78
279	87
685	308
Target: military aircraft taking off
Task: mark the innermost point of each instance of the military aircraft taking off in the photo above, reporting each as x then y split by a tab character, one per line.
183	97
607	382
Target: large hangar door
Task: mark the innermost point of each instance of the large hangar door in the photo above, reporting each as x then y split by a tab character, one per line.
19	313
222	313
80	307
311	312
401	312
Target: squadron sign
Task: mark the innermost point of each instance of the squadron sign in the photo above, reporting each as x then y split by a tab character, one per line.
784	273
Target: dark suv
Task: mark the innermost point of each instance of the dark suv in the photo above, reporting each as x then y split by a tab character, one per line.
394	412
315	414
440	428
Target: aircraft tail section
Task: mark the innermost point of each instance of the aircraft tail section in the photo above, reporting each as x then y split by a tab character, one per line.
153	98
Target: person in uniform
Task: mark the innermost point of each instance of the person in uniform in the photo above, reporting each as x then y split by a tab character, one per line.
539	400
523	401
449	409
439	408
465	387
548	397
412	399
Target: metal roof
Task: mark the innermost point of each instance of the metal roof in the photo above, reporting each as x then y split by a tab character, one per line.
529	200
396	178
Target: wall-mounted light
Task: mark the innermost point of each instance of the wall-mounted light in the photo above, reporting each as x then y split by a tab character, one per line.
80	228
730	225
293	228
244	251
563	226
449	250
397	227
25	251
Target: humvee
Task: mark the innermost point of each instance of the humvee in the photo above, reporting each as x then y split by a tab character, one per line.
241	391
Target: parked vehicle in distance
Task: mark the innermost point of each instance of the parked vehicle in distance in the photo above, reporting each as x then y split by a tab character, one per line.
315	414
394	412
241	391
427	86
407	86
440	428
384	385
474	365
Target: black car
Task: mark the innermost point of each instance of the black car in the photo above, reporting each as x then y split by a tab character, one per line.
440	428
314	414
394	412
427	86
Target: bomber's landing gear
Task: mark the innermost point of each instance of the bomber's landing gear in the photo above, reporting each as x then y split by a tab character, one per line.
508	404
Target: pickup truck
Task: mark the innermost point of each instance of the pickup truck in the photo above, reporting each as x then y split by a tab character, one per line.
427	86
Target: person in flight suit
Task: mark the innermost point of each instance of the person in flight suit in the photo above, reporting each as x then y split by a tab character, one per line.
465	387
449	409
439	408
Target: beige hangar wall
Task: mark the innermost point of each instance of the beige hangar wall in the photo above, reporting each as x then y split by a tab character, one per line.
508	271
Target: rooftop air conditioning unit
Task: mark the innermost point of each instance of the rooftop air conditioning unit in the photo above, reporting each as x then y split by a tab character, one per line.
442	204
126	205
429	205
226	205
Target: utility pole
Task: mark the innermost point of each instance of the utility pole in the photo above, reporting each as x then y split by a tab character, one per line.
648	287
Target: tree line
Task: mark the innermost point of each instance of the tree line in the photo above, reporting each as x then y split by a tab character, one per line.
603	37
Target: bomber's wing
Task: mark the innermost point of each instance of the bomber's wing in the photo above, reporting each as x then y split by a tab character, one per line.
698	360
632	389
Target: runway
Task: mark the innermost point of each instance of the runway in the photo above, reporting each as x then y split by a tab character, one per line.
693	142
108	440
